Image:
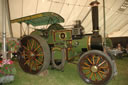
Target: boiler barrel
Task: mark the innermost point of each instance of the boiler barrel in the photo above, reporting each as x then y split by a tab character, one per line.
95	43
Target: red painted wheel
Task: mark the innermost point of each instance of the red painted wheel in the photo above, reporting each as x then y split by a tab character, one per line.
95	67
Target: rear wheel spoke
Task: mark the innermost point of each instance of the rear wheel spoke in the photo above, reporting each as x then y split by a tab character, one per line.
32	44
32	63
26	48
38	61
37	48
29	45
40	55
27	61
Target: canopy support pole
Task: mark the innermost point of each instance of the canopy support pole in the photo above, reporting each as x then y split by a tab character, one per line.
8	18
28	28
20	29
4	27
104	23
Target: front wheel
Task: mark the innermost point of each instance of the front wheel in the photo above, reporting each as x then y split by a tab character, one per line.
95	67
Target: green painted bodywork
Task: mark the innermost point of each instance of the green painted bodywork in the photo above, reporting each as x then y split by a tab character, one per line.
44	18
55	35
77	48
54	38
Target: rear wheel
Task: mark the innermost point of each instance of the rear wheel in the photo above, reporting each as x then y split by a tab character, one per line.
34	54
95	67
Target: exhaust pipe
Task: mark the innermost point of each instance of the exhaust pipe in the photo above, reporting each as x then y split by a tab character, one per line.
95	17
96	39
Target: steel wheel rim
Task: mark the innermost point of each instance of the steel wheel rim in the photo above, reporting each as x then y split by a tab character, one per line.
32	56
95	68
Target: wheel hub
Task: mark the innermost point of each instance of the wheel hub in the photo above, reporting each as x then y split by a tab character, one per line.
94	68
32	54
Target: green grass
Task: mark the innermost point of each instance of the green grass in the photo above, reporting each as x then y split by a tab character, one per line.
122	77
70	76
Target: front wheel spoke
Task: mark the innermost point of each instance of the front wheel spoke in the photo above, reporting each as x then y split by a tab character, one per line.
104	67
85	68
98	60
90	61
93	59
103	72
86	64
102	63
95	77
100	75
87	72
91	75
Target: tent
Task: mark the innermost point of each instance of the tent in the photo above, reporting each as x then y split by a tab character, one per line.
71	10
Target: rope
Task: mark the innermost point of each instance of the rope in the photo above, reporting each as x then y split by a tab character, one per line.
22	8
61	7
82	9
50	5
86	15
71	11
37	6
69	3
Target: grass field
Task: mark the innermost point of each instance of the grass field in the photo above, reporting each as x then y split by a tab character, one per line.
70	76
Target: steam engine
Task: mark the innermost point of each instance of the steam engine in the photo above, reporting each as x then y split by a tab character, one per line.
56	45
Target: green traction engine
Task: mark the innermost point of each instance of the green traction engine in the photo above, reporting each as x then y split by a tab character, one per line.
55	45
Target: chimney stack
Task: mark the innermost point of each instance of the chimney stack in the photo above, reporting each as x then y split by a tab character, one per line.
95	17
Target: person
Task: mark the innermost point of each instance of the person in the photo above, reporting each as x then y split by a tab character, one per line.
109	43
120	51
127	48
119	47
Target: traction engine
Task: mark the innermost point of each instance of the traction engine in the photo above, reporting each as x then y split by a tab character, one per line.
56	45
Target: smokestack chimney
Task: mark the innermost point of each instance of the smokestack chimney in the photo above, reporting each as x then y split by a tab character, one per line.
95	17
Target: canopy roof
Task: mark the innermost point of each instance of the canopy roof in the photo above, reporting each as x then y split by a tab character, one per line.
71	10
40	19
